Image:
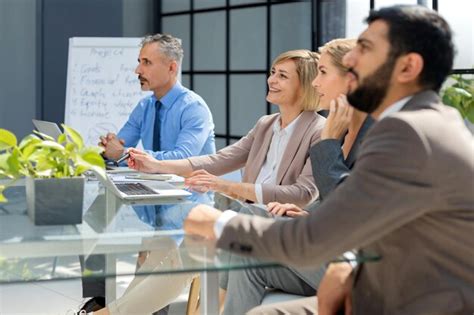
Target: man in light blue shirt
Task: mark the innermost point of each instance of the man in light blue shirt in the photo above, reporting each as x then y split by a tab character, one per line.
173	122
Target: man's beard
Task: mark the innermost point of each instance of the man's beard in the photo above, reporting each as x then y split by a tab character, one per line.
372	90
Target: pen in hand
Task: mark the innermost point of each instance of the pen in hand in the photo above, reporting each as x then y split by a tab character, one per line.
123	158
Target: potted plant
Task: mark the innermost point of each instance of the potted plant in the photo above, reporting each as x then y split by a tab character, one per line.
460	95
53	169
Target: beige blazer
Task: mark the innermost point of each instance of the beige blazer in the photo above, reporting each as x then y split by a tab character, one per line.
409	198
295	181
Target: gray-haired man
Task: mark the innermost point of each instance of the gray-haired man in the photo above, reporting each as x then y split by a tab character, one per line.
172	123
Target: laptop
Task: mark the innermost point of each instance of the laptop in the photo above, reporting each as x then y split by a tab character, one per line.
52	129
130	190
48	128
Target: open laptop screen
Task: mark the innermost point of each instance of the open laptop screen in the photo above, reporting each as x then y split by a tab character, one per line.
48	128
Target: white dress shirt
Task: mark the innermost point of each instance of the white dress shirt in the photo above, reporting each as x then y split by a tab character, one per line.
268	172
395	107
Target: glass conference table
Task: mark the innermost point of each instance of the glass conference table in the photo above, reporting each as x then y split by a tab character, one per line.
114	232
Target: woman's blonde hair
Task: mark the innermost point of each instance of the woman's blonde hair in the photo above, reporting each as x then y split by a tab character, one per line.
336	49
306	62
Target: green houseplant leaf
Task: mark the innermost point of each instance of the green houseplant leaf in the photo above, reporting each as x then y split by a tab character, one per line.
7	139
460	95
28	145
44	136
2	198
74	135
47	157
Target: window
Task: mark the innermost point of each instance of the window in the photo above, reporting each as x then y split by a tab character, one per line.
232	44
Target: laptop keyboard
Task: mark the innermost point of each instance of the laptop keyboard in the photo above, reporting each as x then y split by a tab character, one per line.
134	189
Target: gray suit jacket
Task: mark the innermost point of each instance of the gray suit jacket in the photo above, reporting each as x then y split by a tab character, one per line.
295	181
328	163
409	199
329	170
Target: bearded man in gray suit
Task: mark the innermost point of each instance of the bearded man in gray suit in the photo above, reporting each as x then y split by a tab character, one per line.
410	196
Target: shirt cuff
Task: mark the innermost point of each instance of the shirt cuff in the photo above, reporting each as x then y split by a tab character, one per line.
222	221
259	193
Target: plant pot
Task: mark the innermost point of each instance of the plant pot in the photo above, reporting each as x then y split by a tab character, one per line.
55	201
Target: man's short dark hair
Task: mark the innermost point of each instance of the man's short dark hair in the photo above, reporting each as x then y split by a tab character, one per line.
423	31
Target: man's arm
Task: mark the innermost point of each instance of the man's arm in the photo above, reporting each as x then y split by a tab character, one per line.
131	131
128	136
386	190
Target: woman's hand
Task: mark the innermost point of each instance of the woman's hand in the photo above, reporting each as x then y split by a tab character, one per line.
289	209
142	162
203	181
339	118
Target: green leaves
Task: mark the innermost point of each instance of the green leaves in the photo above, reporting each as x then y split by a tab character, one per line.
50	145
28	145
7	139
460	95
43	136
2	197
49	158
74	135
89	159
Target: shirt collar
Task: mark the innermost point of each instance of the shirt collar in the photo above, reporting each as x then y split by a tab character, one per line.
288	129
172	95
395	107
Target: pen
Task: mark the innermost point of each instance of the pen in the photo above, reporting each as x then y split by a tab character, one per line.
123	158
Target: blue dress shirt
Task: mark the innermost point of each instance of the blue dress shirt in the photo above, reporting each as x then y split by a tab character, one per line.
187	128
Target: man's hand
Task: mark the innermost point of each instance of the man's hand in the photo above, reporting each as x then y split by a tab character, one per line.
143	162
201	221
113	146
339	118
334	292
289	209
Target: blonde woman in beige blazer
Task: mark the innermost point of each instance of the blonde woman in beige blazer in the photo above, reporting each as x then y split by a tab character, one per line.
274	154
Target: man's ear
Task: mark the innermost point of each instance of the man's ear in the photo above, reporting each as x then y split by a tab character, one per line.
409	68
173	68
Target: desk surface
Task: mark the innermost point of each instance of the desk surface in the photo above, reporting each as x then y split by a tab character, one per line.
42	253
36	253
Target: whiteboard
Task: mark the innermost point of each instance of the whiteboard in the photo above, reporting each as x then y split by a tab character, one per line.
102	88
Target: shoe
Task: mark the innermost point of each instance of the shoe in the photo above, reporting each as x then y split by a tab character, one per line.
93	305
